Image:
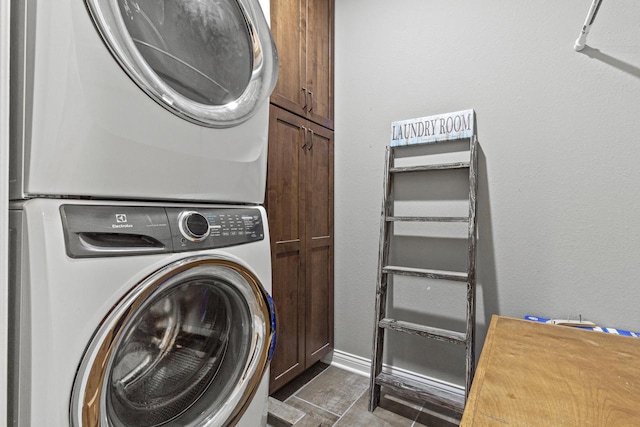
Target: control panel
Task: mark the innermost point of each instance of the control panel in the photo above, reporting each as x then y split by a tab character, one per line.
214	228
98	231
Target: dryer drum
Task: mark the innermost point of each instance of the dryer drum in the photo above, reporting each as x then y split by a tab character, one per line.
188	344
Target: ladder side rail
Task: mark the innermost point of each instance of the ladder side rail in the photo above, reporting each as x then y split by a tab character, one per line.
382	282
471	266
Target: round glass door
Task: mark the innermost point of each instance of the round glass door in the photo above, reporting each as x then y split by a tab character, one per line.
188	346
209	61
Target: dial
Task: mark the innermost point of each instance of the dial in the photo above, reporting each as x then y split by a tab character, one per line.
193	226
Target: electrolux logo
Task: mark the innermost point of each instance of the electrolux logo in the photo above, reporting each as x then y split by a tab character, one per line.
121	220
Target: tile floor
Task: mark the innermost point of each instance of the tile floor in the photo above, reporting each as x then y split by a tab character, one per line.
335	397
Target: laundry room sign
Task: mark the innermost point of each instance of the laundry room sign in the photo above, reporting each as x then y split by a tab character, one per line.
431	129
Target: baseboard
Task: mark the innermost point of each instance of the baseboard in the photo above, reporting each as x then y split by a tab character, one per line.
362	366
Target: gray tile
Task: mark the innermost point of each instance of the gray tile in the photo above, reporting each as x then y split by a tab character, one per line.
334	390
310	421
388	414
398	406
434	416
291	388
327	419
389	393
273	422
283	414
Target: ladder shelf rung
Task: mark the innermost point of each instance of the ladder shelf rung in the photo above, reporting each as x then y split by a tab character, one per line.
423	331
427	219
422	392
426	273
439	166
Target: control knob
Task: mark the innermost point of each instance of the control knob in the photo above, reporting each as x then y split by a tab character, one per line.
193	226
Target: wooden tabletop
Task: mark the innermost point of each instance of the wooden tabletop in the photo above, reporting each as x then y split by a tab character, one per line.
534	374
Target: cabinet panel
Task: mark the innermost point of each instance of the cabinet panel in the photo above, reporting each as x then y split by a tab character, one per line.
288	23
285	210
289	358
285	181
319	189
319	229
319	61
319	302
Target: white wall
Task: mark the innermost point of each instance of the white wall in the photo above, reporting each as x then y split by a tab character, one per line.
266	9
559	194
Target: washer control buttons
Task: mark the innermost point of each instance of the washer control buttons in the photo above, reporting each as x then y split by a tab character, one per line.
193	226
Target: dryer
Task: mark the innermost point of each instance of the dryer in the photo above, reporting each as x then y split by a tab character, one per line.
140	99
139	314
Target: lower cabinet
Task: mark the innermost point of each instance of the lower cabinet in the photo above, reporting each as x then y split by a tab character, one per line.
299	203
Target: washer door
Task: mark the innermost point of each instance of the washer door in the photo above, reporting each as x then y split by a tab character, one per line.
187	346
209	61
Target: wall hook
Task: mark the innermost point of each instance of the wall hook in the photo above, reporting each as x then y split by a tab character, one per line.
581	41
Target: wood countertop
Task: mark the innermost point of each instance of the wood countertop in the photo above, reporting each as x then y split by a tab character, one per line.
534	374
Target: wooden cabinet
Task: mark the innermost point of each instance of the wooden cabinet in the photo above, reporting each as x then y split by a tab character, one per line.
303	31
299	203
299	197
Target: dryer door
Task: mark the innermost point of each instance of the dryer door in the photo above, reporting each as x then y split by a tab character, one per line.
188	345
209	61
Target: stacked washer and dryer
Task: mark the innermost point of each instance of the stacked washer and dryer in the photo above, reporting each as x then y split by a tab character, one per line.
140	261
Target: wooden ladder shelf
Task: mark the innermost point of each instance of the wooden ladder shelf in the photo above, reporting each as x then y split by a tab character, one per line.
411	388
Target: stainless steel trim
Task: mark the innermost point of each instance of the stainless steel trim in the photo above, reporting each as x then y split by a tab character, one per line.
186	233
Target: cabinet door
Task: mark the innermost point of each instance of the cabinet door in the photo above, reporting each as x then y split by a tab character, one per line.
319	61
319	251
303	32
288	25
285	210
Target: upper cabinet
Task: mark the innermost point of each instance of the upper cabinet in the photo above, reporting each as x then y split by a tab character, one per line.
303	32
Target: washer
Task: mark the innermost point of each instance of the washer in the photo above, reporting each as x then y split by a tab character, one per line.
140	99
142	314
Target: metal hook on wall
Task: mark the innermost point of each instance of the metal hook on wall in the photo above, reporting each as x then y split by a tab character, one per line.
581	41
